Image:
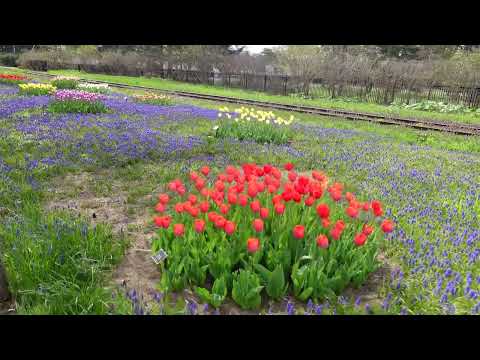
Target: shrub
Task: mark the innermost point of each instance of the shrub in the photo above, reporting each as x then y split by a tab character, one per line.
62	82
8	60
256	230
154	99
258	126
36	89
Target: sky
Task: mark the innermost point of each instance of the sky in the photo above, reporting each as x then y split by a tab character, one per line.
256	49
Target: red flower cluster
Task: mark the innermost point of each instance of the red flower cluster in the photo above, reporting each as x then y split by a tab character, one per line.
234	193
12	77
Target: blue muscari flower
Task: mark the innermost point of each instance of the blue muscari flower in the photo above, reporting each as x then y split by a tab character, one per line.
309	305
191	307
318	309
357	301
290	308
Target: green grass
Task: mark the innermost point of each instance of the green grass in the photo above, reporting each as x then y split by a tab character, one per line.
253	95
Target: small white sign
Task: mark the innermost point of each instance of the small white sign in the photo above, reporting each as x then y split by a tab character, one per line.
159	257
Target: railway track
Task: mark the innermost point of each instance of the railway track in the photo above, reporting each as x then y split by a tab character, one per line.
423	124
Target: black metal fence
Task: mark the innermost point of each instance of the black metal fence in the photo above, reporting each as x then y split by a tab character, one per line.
374	91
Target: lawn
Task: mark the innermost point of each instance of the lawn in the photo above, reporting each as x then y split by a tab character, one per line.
78	194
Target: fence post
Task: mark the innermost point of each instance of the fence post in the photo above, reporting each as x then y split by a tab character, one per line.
265	83
285	80
246	81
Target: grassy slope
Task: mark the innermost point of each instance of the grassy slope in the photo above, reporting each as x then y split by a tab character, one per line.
253	95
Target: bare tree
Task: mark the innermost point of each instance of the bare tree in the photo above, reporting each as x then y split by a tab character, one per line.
301	61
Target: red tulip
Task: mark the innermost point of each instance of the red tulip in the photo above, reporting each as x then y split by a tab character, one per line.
158	221
340	224
242	200
181	190
224	209
322	241
172	186
229	227
255	206
288	166
360	239
297	197
272	189
292	176
335	233
252	190
376	204
299	231
229	178
212	216
163	198
205	170
199	184
367	229
336	195
279	208
160	208
267	169
276	199
179	208
264	213
387	226
219	185
258	225
309	201
199	225
287	196
220	221
230	170
204	206
253	244
326	223
232	198
178	229
194	176
323	211
194	211
352	212
260	186
204	192
378	211
366	206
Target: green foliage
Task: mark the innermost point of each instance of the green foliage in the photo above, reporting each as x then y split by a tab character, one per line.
218	294
55	263
8	60
246	289
257	131
274	281
65	83
76	106
441	107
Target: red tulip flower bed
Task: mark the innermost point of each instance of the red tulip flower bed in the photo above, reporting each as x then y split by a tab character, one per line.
257	230
12	79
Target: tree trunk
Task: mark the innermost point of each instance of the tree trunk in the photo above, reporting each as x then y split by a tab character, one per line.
4	292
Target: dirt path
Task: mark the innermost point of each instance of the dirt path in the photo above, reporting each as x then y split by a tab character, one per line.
136	270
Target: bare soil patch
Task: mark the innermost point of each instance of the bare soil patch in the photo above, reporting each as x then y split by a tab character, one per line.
136	270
